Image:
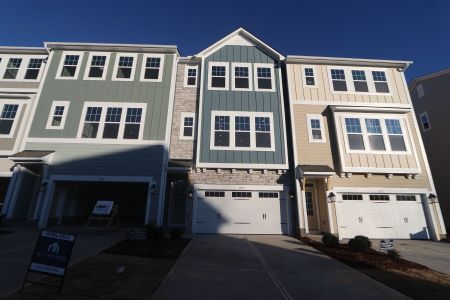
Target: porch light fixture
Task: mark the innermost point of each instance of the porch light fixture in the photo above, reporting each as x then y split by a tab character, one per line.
432	198
331	197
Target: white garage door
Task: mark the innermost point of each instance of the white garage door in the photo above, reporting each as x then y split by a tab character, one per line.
376	216
241	212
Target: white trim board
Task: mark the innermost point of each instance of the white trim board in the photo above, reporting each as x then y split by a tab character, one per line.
242	166
232	187
94	141
351	104
102	178
380	190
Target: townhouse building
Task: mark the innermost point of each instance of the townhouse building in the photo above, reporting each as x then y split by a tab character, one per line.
429	94
361	168
99	131
21	70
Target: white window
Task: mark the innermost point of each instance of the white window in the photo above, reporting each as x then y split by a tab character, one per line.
69	66
309	76
124	67
380	80
420	91
58	114
97	66
33	68
425	121
190	76
152	66
218	76
241	76
375	135
315	129
187	126
12	68
112	121
8	119
395	135
354	134
242	131
338	80
360	81
264	77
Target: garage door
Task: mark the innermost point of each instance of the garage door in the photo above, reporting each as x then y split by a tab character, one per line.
399	216
241	212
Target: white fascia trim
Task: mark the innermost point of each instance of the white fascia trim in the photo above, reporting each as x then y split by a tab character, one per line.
283	116
272	72
89	62
66	105
227	75
102	178
22	70
303	67
61	65
182	116
353	61
242	166
116	66
16	122
319	117
161	67
199	118
370	109
232	132
233	187
24	93
319	173
381	170
381	190
233	76
186	68
94	141
363	105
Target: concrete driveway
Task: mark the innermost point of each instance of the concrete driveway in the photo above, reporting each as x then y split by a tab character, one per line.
264	267
17	247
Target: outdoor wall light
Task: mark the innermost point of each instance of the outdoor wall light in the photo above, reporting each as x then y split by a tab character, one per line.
331	197
432	198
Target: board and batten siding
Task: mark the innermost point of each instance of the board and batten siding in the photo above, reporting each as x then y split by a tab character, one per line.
324	92
251	101
154	94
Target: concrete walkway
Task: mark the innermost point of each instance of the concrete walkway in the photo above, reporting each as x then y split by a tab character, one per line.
17	247
264	267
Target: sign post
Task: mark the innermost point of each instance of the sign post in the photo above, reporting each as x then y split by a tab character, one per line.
387	244
51	256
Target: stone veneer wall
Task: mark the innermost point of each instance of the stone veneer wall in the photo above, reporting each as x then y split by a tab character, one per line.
186	99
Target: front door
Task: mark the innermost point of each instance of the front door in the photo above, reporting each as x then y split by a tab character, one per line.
178	195
311	209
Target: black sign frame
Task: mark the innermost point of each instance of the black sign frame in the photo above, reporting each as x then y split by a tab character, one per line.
64	266
387	244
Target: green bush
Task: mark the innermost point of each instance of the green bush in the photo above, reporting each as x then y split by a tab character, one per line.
330	240
155	233
393	254
176	232
359	243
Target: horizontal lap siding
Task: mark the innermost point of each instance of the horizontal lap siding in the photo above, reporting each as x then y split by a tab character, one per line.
6	165
18	85
241	101
155	94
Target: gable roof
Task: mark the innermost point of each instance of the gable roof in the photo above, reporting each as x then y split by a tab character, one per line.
240	37
417	80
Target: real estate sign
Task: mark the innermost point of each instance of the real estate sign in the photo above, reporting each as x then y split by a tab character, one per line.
103	208
386	245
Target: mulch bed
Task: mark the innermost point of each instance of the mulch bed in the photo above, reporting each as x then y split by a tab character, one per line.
412	279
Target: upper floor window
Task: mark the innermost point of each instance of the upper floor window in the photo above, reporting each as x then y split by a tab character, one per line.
395	134
152	65
264	80
315	129
420	91
354	134
34	68
242	76
70	65
360	81
218	76
242	128
112	122
187	126
12	68
8	119
425	121
263	134
190	76
222	131
379	78
376	139
125	67
98	65
91	122
133	123
309	79
58	114
338	79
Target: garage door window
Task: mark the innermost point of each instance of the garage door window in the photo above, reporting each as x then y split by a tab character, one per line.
379	197
406	198
241	194
268	195
216	194
351	197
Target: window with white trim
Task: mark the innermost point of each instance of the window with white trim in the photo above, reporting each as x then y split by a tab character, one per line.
352	197
309	203
218	76
425	121
406	197
58	114
354	134
395	135
190	76
8	119
338	80
241	194
121	121
360	81
33	68
241	76
152	66
12	68
315	128
69	67
268	195
379	197
187	126
124	67
380	80
264	77
98	66
375	134
242	131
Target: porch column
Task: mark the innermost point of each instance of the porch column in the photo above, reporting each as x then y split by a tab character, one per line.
13	191
47	204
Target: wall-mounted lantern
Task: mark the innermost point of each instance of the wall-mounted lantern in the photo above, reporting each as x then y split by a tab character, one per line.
331	197
432	198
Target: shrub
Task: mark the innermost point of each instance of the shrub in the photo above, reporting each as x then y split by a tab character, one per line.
393	254
330	240
176	232
359	243
155	233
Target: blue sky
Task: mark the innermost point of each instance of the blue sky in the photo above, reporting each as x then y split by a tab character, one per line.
385	29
